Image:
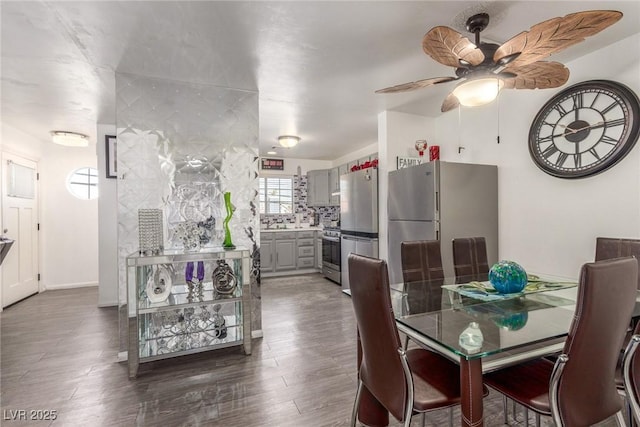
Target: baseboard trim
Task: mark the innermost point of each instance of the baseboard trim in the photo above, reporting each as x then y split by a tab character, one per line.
108	304
70	286
290	273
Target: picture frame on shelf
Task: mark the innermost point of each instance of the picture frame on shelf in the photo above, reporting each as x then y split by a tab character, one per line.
111	156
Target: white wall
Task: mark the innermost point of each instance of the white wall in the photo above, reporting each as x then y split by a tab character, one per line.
69	226
549	224
355	155
397	135
107	226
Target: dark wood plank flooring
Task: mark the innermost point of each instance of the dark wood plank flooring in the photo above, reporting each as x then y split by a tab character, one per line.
58	352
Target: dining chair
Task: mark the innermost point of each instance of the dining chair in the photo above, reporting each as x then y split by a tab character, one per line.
611	247
470	259
422	266
405	382
580	389
630	377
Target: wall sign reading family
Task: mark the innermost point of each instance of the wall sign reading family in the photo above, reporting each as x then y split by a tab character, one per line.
273	164
111	156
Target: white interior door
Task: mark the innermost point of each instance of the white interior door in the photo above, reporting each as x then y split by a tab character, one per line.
20	223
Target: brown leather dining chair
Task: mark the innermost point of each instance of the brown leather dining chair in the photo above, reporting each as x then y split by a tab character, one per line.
579	389
611	247
422	264
422	268
631	374
470	259
404	382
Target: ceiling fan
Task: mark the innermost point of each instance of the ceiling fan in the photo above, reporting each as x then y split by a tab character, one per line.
486	68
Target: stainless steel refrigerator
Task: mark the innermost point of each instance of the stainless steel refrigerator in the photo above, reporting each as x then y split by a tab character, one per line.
442	200
358	217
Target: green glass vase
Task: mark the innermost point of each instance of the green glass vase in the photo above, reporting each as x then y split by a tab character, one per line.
228	244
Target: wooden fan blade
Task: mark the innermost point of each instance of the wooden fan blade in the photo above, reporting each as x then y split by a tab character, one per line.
539	75
405	87
449	103
554	35
448	47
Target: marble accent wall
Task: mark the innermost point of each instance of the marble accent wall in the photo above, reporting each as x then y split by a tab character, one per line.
174	135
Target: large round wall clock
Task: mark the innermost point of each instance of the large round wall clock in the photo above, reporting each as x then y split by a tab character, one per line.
585	129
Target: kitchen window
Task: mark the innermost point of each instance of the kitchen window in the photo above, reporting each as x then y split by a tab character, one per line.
276	195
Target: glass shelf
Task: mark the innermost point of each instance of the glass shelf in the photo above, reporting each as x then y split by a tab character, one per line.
188	343
180	296
170	256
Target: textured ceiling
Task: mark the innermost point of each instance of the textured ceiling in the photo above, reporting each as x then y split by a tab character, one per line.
316	65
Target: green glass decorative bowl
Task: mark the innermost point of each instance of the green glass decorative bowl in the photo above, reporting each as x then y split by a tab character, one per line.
508	277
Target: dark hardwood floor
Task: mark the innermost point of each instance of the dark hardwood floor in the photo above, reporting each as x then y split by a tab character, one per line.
58	353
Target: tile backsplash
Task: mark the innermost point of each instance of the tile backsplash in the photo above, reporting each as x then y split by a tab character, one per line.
327	213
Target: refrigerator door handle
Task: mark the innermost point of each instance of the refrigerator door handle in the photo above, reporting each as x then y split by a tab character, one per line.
437	201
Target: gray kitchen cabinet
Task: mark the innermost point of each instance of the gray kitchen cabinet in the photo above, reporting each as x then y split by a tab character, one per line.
286	255
318	187
306	249
319	251
267	252
334	187
283	252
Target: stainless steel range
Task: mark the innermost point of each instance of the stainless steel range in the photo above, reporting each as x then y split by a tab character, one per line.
331	254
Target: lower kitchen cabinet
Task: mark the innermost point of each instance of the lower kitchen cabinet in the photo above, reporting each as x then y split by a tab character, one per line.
288	251
267	254
285	255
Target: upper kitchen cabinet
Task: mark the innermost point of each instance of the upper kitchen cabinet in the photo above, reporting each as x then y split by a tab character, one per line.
334	186
318	193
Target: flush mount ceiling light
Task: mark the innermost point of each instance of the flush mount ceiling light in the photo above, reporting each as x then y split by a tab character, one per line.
271	153
69	139
288	141
476	92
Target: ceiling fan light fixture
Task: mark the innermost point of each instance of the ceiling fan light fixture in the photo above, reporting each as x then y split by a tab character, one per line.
476	92
288	141
69	139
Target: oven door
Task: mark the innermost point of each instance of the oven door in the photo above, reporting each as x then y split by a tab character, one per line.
331	252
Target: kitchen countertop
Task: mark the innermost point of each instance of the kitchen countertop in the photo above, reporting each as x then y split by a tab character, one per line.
292	228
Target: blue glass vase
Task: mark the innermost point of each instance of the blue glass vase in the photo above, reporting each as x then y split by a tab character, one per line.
508	277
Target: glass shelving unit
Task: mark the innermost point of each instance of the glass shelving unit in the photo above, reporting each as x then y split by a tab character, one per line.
194	317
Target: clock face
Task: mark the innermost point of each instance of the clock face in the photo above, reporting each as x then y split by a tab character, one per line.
585	129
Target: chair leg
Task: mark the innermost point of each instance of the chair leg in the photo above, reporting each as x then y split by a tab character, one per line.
505	409
451	416
356	404
620	419
424	419
537	419
526	417
406	341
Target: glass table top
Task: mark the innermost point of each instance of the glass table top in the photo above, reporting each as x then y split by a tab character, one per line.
473	327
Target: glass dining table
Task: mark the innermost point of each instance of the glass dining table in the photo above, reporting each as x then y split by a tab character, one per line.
481	330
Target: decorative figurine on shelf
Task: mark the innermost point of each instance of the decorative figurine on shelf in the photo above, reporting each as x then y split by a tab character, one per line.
421	146
508	277
219	322
188	278
228	244
159	284
224	281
